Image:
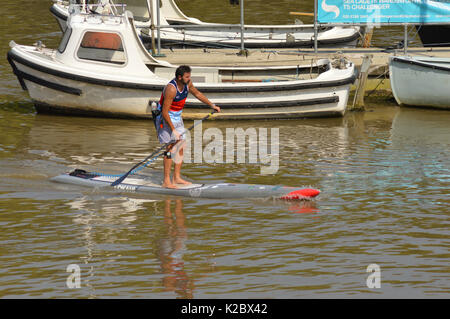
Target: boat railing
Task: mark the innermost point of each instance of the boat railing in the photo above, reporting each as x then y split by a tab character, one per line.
62	2
222	26
83	7
116	19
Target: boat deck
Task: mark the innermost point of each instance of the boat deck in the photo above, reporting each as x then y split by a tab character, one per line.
284	57
378	70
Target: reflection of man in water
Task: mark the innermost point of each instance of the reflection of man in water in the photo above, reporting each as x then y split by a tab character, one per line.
172	250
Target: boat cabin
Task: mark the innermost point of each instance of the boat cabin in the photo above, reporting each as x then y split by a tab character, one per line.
96	41
111	43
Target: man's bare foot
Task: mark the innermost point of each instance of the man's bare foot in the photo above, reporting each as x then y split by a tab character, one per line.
179	180
169	185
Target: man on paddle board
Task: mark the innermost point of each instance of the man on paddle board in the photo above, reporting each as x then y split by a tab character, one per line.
169	124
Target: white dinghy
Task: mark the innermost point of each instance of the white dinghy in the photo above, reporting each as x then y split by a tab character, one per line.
102	69
196	33
420	81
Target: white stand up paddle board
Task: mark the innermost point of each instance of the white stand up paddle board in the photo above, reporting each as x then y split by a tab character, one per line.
147	184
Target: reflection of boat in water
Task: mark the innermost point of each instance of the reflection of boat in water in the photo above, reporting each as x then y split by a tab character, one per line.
92	142
429	129
83	133
421	142
196	33
110	217
107	217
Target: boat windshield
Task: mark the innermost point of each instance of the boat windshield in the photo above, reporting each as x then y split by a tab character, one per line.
139	8
103	47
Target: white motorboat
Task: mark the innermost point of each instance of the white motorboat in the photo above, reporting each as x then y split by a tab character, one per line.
420	81
197	33
101	68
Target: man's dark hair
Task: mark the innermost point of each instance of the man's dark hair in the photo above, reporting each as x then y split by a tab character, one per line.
181	70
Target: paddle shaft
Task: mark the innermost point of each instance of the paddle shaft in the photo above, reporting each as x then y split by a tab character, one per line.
155	153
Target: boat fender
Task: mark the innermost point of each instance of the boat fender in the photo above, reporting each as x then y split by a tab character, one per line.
290	38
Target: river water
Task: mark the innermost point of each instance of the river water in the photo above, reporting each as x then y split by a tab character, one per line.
384	176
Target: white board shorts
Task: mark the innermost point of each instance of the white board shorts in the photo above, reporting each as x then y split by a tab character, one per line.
165	134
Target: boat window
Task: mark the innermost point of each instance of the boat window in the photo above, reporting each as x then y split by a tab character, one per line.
102	46
102	40
65	40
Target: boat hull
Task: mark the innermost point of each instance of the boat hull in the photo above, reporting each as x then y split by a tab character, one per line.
299	41
54	91
423	82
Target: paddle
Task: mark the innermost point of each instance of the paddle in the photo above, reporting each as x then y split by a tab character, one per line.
155	153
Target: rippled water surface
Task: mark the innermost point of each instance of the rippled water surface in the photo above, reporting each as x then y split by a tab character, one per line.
384	176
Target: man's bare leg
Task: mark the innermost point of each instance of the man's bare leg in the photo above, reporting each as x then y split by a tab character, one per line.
167	183
177	170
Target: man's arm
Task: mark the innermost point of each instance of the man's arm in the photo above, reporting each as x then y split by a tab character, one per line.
199	95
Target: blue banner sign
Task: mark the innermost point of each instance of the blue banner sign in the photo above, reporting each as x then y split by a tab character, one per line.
383	11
